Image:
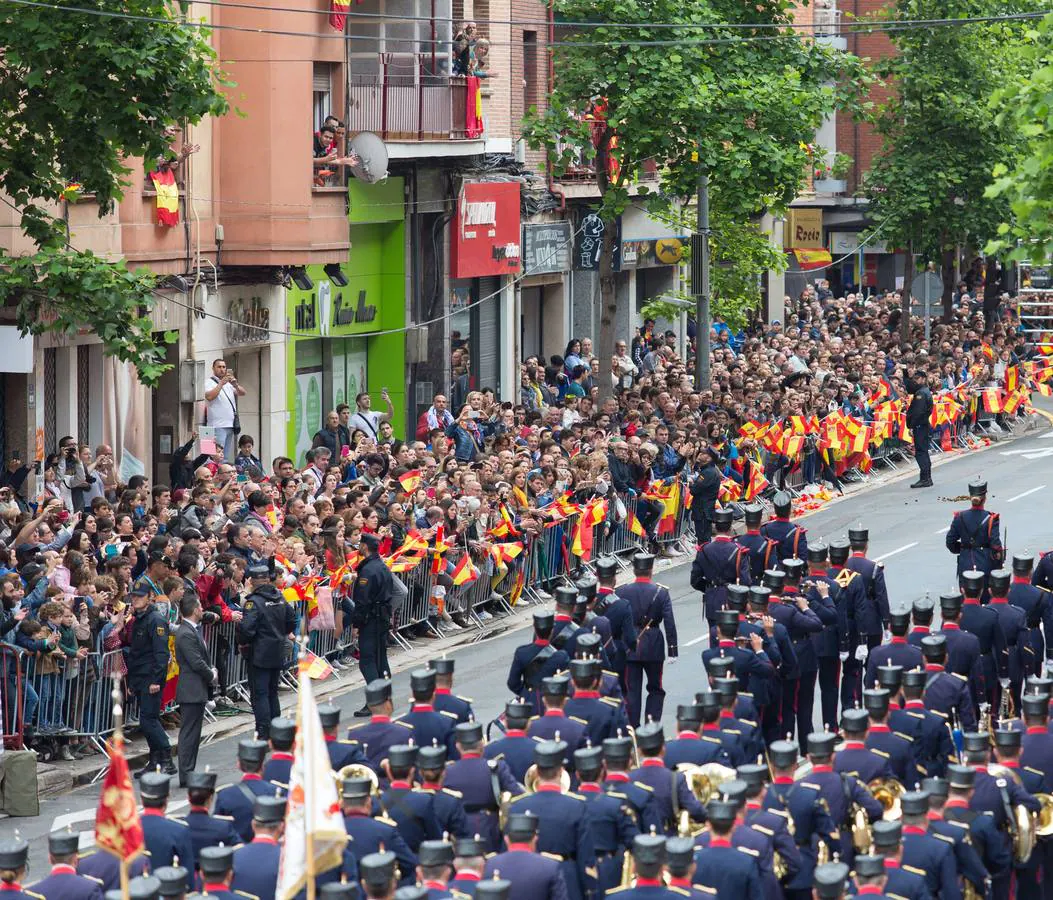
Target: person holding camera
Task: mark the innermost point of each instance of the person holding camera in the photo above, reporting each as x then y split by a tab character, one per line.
73	476
221	393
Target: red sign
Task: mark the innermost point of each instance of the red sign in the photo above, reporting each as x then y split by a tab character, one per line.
486	230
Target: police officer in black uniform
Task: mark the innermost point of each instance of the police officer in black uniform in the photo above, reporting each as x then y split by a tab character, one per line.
146	640
267	624
536	660
372	615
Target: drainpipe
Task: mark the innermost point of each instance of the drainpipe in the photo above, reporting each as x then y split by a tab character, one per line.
552	186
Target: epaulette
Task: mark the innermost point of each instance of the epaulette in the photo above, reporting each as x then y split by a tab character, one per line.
182	822
592	872
678	890
93	878
785	813
711	740
579	721
915	715
746	694
881	753
452	792
457	893
533	719
223	787
959	675
879	565
499	756
609	672
464	699
914	870
280	784
398	722
449	715
347	742
610	701
942	715
575	796
646	787
809	784
231	818
491	854
618	890
34	894
748	850
659	584
905	737
763	830
554	856
520	796
245	894
1033	771
703	888
731	731
963	825
943	837
385	820
749	722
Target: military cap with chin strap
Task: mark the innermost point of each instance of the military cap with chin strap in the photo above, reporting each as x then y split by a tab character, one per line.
543	620
723	518
689	714
754	776
444	665
720	666
922	609
977	488
378	691
998	581
783	754
899	619
774	579
679	852
588	644
727	618
734	790
915	678
1023	563
951	604
606	567
817	553
754	514
515	709
705	701
725	687
588	761
643	564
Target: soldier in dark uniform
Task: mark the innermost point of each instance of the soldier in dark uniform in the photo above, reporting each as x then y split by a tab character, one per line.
985	623
717	564
536	660
515	749
791	540
611	819
14	859
267	624
585	622
854	757
988	841
672	795
652	608
755	843
946	692
931	732
563	626
897	652
648	859
239	800
217	870
469	863
533	875
146	641
921	613
603	716
166	839
967	861
1036	759
482	782
873	621
751	665
763	552
103	867
1037	604
693	747
63	882
737	717
830	643
373	591
870	876
1043	574
680	866
341	753
1013	623
809	610
282	740
368	834
445	700
554	721
897	746
256	863
172	880
449	803
852	606
901	880
145	887
974	534
830	881
617	756
784	658
379	874
770	824
434	869
413	810
587	646
618	612
927	851
206	830
563	826
721	867
381	732
428	724
963	650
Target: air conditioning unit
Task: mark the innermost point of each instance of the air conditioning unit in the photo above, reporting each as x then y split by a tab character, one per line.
191	380
417	344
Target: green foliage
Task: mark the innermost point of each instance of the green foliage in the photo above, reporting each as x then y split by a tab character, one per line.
80	96
1026	183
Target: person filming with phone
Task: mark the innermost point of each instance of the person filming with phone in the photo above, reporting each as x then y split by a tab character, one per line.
221	393
367	421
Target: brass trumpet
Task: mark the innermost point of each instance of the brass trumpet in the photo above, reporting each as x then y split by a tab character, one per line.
888	792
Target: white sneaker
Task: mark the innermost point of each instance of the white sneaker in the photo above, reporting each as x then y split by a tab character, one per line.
66	753
542	594
484	616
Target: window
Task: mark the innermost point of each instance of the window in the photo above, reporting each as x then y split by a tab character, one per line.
418	31
322	93
530	73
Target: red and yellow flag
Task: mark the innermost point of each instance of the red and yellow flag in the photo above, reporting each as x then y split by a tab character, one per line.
118	829
757	483
505	553
410	480
463	572
1012	379
167	196
730	490
634	525
338	13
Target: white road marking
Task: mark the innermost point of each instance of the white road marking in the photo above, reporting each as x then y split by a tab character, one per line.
697	640
1029	454
1025	494
942	530
894	552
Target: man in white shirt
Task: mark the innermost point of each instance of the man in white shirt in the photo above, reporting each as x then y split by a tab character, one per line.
221	392
367	421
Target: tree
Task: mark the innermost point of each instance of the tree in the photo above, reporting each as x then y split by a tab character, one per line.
81	96
738	103
1026	184
926	186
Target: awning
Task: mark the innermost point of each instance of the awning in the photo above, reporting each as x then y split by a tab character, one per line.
812	258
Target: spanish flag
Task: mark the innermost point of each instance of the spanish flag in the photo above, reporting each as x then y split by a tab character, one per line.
730	490
410	480
315	666
669	496
757	483
988	351
463	572
993	400
338	14
1012	379
505	553
634	525
167	196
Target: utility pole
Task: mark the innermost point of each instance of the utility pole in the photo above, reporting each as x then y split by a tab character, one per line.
700	284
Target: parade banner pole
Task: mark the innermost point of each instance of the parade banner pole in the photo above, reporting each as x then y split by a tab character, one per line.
118	742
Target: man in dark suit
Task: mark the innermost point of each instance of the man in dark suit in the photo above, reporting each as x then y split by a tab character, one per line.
196	683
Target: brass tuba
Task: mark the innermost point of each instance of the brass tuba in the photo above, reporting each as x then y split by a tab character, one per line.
1022	823
530	781
705	780
359	770
888	792
1044	821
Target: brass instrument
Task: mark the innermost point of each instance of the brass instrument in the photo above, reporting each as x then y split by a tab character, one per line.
862	836
888	792
704	781
635	759
1044	820
359	770
822	853
627	869
531	779
985	725
1020	820
1005	706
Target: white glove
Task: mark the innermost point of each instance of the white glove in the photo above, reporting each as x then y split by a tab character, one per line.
861	652
672	660
215	674
886	637
843	655
1046	668
1005	683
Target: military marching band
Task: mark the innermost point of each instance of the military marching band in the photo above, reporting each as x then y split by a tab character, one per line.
928	775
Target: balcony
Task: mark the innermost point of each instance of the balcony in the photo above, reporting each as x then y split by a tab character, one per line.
407	101
827	23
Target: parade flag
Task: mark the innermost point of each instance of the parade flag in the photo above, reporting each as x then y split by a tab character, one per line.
993	400
793	444
988	351
669	496
315	835
509	520
730	490
505	553
272	518
118	829
1012	379
338	10
410	480
317	668
757	483
464	572
167	196
1013	402
1044	388
517	587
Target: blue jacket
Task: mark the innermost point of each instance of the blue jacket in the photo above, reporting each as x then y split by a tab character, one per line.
563	830
874	617
974	537
728	871
67	885
256	868
165	839
237	800
652	608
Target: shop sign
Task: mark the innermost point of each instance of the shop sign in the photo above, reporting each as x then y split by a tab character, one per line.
805	228
845	243
546	248
248	321
646	254
322	312
588	243
486	235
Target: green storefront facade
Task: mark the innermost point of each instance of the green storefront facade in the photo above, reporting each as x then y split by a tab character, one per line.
335	350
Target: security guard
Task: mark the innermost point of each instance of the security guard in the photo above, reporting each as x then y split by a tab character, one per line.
469	862
772	826
374	588
63	883
927	851
762	551
554	721
434	869
266	626
974	534
652	609
617	756
515	749
603	716
721	867
428	724
902	880
921	613
672	795
483	781
1037	604
610	817
166	839
690	746
832	641
206	830
370	835
852	604
963	650
449	805
617	611
412	810
718	563
563	827
239	800
146	655
791	540
649	856
14	858
533	875
931	733
282	740
381	732
967	860
855	757
536	660
256	863
946	693
445	700
873	620
897	652
1013	623
897	746
341	753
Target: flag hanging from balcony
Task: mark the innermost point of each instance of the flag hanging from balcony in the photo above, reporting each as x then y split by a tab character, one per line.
167	196
473	114
338	13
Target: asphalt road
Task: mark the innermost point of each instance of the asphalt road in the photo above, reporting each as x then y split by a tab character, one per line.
907	530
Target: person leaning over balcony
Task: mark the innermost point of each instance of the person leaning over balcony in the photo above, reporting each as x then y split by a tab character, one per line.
462	48
480	59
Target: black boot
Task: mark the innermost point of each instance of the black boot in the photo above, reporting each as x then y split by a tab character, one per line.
164	760
151	762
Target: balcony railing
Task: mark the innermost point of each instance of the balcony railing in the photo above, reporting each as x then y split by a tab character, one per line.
406	102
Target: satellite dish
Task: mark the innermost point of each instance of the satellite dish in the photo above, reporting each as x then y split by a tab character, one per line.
372	157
